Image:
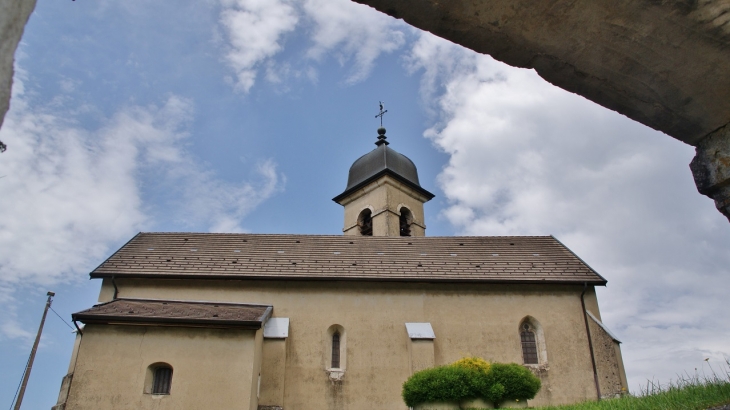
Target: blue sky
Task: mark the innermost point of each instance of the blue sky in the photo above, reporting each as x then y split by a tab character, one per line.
245	115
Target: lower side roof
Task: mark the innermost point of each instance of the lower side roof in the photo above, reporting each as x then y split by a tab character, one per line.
176	313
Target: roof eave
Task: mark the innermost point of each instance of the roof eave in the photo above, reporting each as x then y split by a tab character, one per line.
172	276
379	174
228	324
254	324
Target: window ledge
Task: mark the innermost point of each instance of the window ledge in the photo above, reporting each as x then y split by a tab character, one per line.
335	375
157	396
538	369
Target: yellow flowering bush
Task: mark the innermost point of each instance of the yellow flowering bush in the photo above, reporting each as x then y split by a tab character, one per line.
473	363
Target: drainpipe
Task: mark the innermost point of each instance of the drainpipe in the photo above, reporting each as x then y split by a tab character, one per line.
590	342
78	329
116	290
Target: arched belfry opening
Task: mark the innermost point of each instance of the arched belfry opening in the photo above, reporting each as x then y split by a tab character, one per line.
383	195
405	220
365	222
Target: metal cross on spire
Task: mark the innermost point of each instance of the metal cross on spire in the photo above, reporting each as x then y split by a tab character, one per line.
382	112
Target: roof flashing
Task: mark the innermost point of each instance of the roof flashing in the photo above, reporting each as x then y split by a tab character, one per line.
420	331
602	326
276	328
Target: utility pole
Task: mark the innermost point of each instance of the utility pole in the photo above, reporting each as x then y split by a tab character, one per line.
32	352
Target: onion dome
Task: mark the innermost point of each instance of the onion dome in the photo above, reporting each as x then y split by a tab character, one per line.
381	161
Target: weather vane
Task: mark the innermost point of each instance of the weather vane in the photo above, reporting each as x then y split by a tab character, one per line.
382	112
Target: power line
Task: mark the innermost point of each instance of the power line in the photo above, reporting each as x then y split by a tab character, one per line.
19	383
59	316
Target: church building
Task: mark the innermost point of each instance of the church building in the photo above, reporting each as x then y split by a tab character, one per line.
322	322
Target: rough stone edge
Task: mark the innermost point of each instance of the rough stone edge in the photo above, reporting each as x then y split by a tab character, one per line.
711	168
14	15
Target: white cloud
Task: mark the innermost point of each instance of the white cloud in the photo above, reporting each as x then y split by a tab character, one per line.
13	330
352	32
356	35
222	205
10	327
527	158
69	193
66	194
254	29
437	58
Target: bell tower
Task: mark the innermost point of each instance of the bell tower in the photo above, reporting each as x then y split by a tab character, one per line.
383	196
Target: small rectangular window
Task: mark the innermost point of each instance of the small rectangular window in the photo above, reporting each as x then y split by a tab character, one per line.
162	380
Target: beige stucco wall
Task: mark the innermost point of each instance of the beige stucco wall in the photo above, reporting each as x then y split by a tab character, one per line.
384	197
609	366
212	368
421	352
273	377
468	319
68	378
254	361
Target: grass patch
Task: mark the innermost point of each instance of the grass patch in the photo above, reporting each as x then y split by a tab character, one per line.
687	393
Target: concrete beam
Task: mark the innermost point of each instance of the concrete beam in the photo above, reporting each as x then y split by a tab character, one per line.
661	63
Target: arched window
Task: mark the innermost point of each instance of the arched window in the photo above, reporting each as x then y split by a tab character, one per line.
336	350
405	221
365	222
158	379
529	344
532	341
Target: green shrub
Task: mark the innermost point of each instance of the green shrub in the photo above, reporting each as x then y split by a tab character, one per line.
511	382
438	384
470	378
495	393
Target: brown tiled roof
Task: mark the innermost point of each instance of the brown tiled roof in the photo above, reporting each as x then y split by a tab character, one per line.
171	312
506	259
